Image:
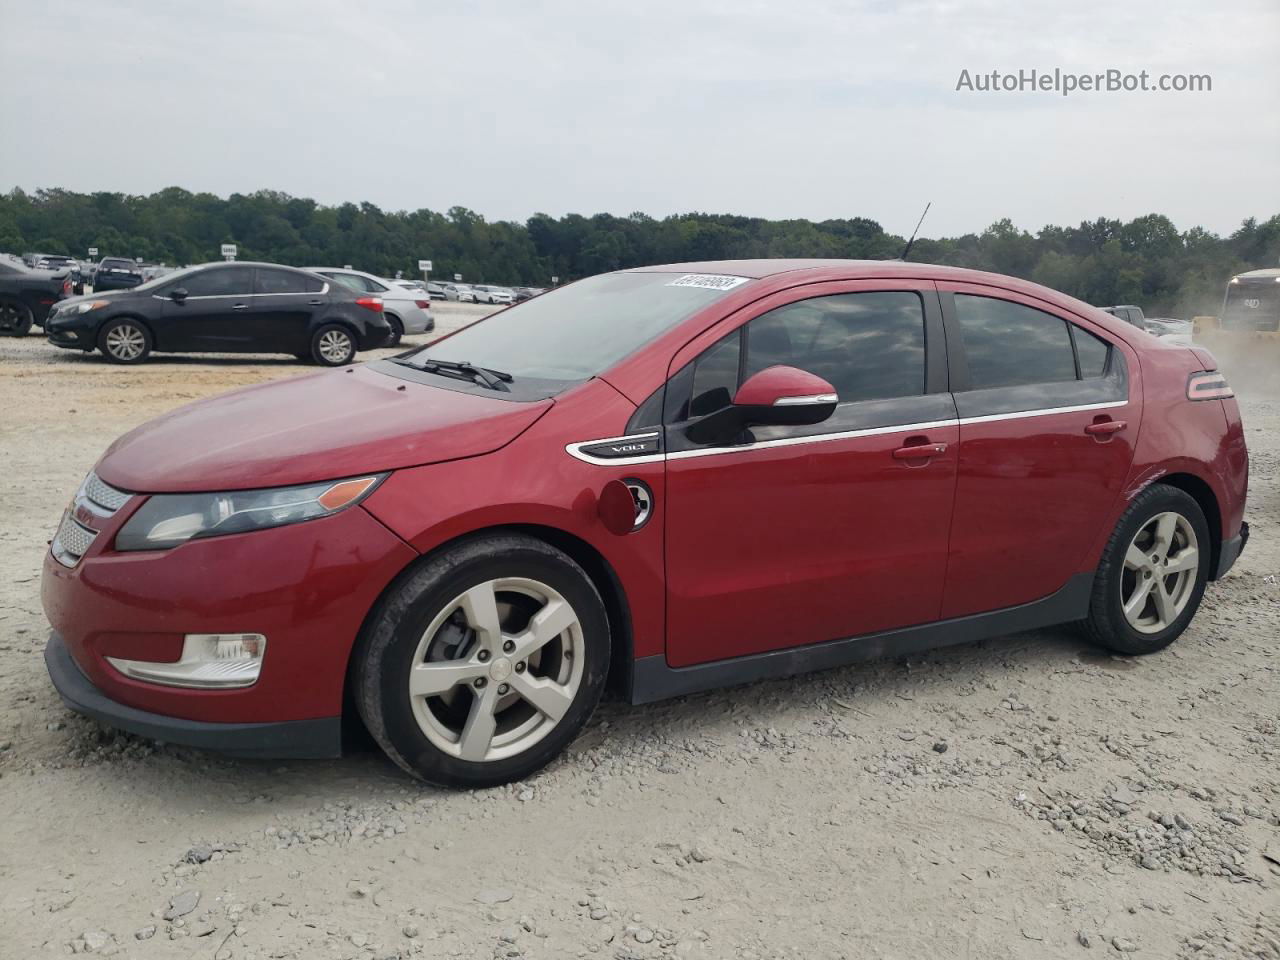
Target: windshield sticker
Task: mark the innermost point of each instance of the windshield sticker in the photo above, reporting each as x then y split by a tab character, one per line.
708	281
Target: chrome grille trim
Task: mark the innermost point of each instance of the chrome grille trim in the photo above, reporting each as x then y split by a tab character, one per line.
72	541
102	495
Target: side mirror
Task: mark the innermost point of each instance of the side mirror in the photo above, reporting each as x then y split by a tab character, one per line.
178	294
776	396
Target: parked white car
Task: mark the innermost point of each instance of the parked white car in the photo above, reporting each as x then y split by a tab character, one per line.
1171	331
460	292
407	310
494	295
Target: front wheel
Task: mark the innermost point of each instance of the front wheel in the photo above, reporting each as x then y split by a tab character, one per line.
484	663
15	319
1153	573
332	346
125	341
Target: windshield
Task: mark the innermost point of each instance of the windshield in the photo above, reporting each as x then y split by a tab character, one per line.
1252	304
581	330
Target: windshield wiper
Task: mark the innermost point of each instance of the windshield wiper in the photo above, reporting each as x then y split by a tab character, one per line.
493	379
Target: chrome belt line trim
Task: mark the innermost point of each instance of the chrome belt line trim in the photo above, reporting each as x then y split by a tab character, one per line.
575	449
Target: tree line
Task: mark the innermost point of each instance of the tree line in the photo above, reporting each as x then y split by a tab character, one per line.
1146	261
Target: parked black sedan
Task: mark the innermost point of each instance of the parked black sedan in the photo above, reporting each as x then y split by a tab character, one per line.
116	273
224	308
26	295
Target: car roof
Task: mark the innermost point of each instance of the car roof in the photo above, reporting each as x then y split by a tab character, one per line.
1261	274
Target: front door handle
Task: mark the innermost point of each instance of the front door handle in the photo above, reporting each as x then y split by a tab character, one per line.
239	306
921	451
316	303
1106	428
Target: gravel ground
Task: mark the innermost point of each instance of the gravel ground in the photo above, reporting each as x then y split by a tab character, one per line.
1023	797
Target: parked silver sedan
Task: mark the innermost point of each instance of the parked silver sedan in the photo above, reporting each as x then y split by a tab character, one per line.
407	311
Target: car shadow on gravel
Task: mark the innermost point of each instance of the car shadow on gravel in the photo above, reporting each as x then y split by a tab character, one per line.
871	693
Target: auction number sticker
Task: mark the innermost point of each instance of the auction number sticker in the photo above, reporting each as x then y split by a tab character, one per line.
708	281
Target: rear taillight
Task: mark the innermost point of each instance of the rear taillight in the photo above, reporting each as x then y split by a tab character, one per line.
423	304
66	285
1210	385
370	303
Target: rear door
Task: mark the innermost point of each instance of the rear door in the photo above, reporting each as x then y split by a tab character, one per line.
284	302
1049	410
800	535
214	316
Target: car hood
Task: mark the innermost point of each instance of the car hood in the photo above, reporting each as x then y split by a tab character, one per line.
104	295
339	423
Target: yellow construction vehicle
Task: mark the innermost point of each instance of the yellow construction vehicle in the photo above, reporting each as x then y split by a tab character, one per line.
1245	339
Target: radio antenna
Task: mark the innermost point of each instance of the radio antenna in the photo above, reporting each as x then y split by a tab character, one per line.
907	249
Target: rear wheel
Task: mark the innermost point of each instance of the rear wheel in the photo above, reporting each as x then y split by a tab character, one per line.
15	318
484	663
333	345
1153	573
397	330
124	341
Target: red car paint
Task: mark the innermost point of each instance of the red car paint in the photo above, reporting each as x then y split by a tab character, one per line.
753	550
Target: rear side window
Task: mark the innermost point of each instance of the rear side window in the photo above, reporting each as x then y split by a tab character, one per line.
1010	345
285	281
1092	353
219	282
869	346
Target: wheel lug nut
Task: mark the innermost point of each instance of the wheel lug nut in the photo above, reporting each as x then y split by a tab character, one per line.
482	656
508	646
520	667
479	684
503	688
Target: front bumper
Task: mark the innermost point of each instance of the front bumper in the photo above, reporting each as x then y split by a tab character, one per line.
1230	552
296	739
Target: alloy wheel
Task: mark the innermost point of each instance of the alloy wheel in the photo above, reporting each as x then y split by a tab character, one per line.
335	346
497	669
1159	574
125	342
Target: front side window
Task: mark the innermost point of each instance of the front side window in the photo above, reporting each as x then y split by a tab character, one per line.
1009	345
220	282
869	346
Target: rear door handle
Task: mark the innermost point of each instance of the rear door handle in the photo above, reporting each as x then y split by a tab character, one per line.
239	306
316	303
1105	428
921	451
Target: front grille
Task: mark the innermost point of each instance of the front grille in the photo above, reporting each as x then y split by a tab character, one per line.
72	541
73	537
103	494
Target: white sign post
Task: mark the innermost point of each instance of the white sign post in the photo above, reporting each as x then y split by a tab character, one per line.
228	251
554	281
93	251
457	278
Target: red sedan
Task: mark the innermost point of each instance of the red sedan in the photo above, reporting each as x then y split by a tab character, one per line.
668	479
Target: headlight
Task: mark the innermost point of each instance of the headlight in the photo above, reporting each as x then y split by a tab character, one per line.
79	308
170	519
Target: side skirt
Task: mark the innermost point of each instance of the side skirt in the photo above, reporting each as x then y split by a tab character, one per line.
652	679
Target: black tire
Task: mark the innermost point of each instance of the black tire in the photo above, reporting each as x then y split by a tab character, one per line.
390	641
326	349
125	341
1107	624
15	318
397	330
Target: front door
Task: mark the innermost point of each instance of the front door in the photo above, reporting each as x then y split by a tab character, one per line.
800	535
214	316
1049	416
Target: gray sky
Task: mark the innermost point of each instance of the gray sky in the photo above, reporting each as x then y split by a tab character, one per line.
776	109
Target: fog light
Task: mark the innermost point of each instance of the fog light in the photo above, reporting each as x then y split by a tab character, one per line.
209	661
